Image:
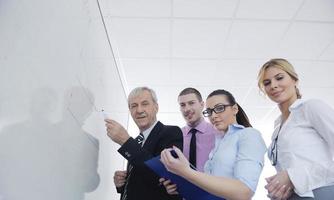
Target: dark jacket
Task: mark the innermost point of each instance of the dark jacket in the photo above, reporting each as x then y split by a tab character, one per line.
143	182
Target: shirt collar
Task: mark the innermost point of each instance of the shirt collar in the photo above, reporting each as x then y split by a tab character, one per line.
147	132
232	128
200	127
295	105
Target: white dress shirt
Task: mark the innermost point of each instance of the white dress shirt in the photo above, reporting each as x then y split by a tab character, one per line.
147	132
306	145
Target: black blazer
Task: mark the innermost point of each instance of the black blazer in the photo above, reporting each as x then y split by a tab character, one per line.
144	183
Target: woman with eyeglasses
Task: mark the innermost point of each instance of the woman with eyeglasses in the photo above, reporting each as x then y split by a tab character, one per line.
236	161
303	140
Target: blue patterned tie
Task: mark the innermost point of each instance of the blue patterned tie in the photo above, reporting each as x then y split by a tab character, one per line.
139	139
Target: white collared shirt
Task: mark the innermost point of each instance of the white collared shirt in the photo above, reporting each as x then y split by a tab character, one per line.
147	132
306	145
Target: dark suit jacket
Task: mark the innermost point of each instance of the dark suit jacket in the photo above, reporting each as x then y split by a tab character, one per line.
144	183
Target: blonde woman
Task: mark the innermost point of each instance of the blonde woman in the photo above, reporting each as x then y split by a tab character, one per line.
303	140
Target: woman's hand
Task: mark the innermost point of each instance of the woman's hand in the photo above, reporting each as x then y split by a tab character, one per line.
178	165
279	186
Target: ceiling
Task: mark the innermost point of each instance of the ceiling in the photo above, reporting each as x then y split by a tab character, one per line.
172	44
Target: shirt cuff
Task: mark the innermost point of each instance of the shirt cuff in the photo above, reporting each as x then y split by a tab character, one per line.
299	179
130	149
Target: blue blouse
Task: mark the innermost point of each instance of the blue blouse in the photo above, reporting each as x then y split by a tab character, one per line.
239	154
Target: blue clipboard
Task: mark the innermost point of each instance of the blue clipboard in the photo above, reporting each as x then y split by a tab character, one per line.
185	188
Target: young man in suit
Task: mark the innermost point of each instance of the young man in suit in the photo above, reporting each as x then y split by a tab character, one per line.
138	181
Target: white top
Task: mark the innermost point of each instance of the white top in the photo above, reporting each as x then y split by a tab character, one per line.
306	145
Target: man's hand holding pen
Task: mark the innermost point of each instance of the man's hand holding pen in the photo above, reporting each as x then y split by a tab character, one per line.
116	132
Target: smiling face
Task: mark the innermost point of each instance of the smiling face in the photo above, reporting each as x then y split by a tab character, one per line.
143	110
222	120
279	86
191	108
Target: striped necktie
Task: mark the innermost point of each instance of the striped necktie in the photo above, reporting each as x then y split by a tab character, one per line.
139	139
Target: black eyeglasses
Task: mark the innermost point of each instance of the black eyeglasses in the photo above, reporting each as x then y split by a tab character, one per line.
273	151
217	109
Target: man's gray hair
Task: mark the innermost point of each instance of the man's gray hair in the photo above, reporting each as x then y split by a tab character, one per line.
138	90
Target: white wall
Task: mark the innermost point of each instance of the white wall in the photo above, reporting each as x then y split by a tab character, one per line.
56	73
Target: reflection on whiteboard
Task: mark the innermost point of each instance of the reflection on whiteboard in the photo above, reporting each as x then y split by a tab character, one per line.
44	160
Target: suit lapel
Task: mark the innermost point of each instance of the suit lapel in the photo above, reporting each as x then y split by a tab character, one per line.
153	138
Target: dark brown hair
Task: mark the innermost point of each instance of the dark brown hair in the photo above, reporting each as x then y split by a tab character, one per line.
191	90
241	115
